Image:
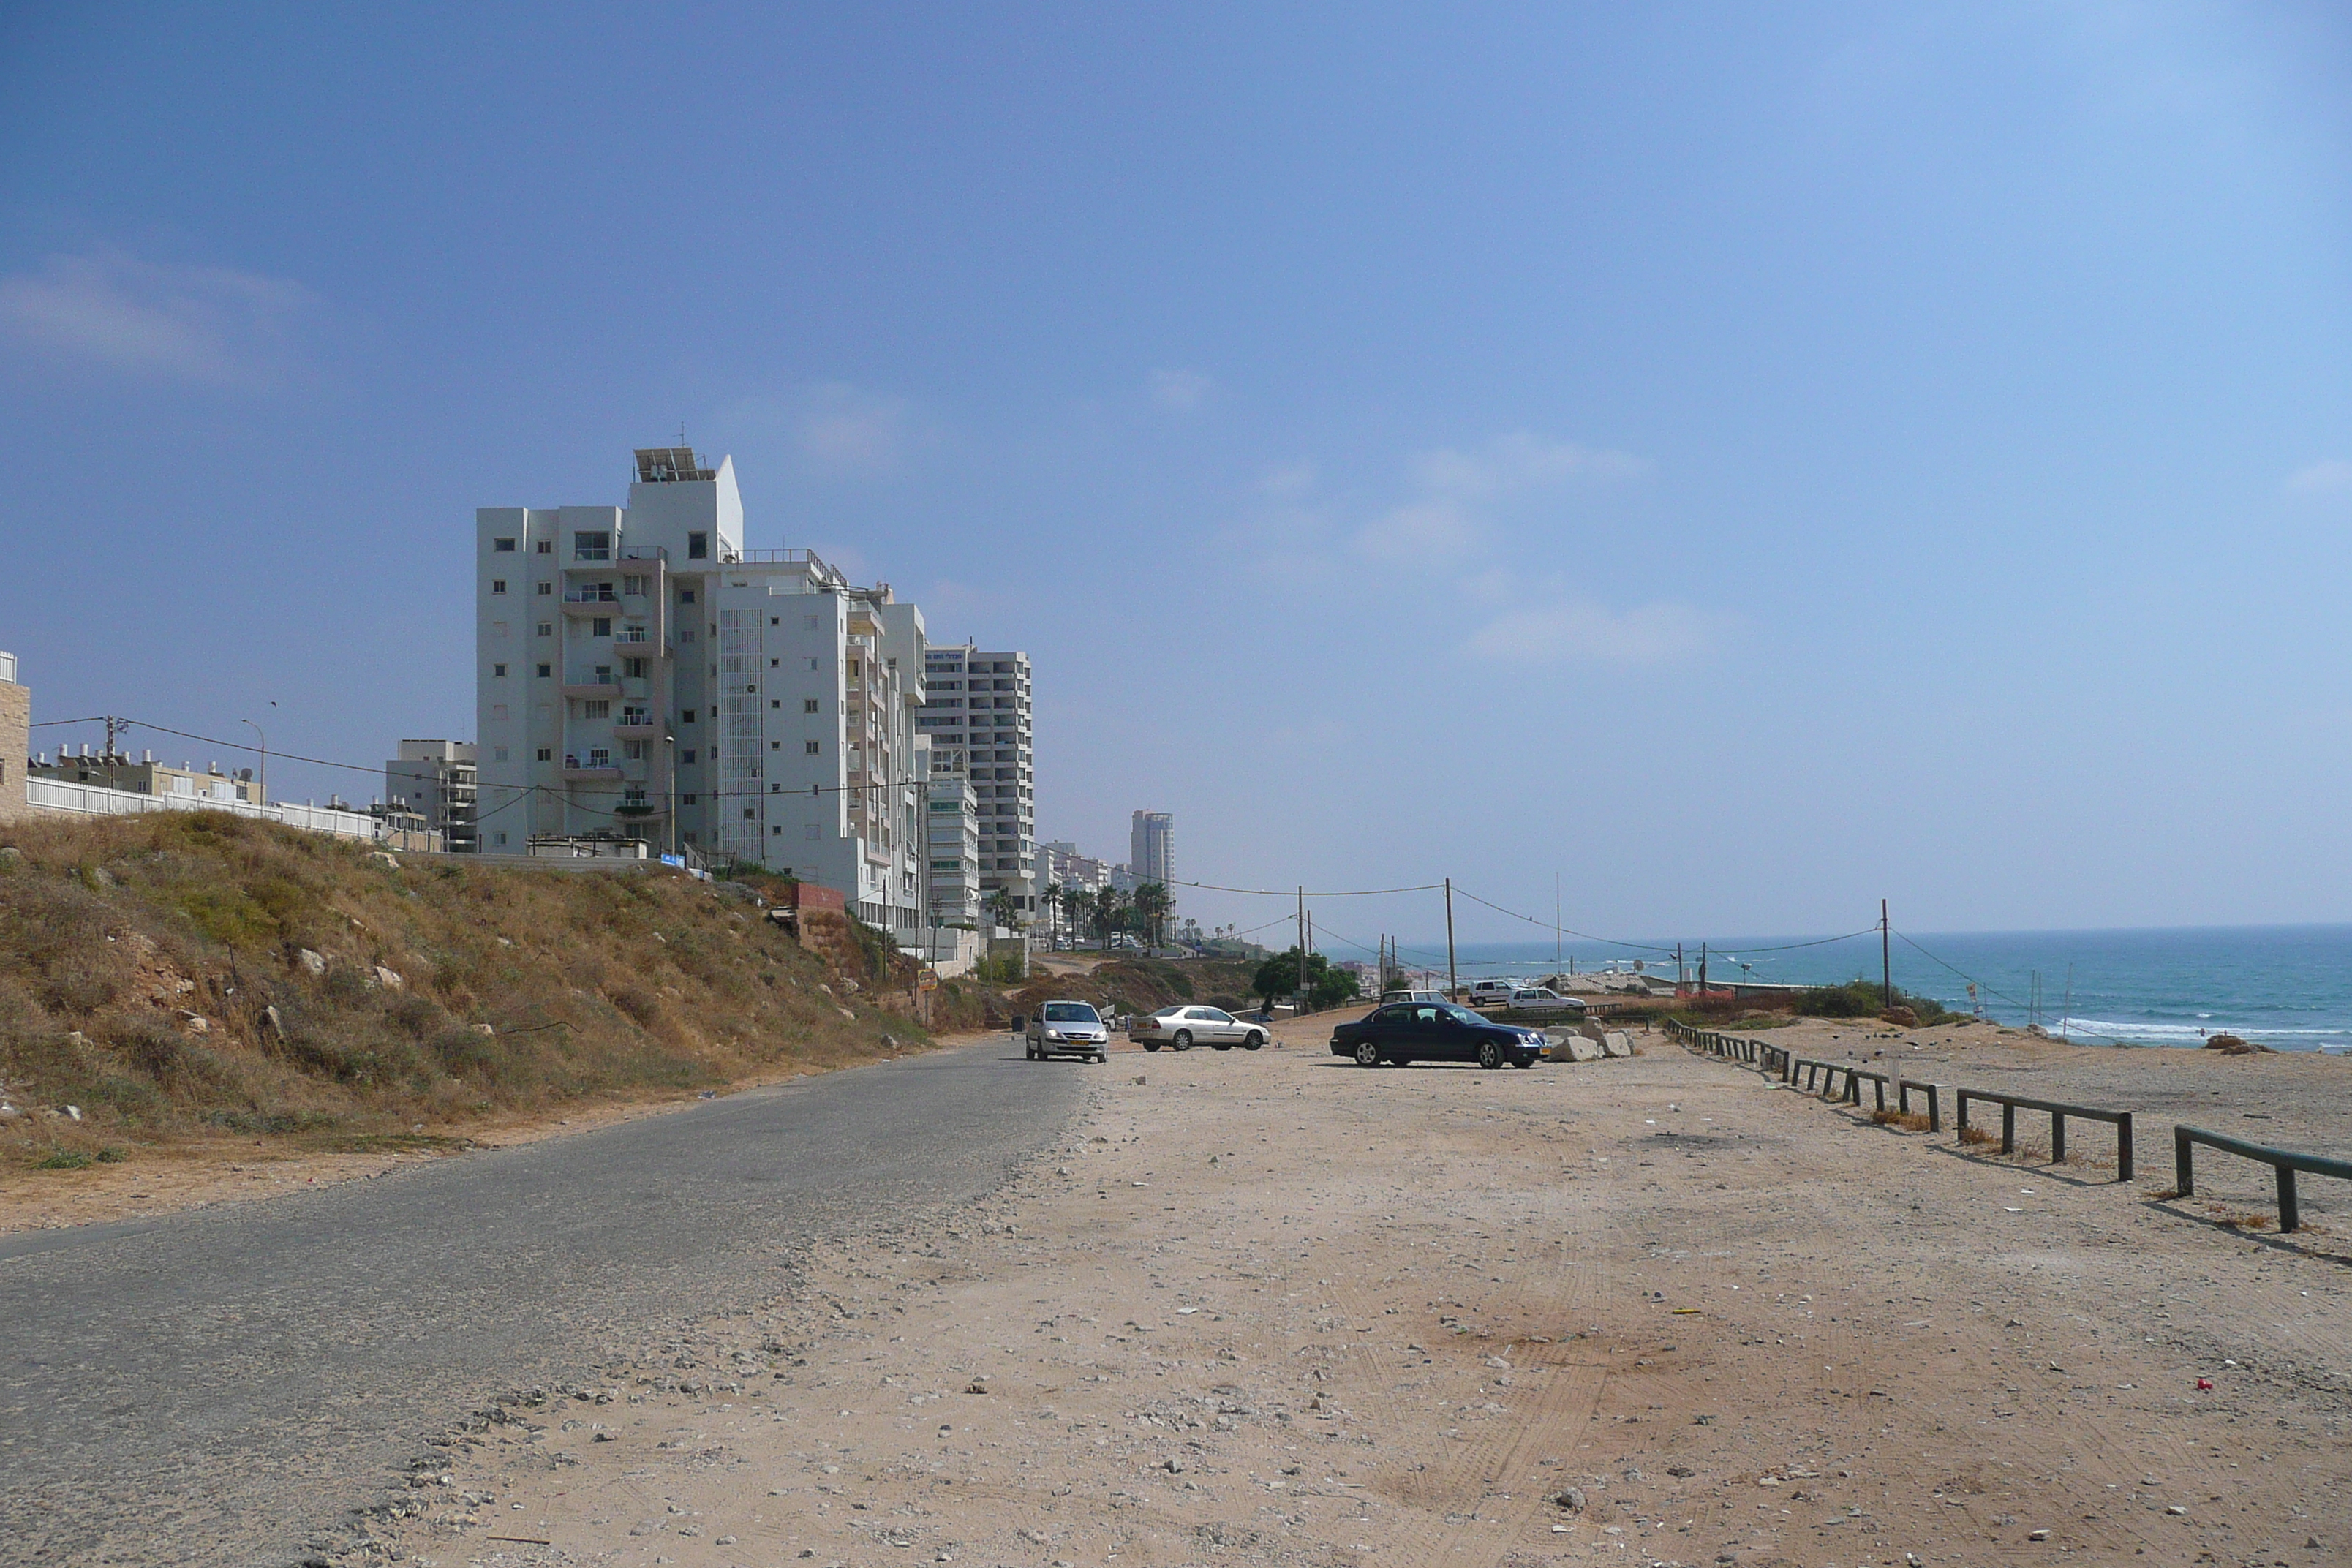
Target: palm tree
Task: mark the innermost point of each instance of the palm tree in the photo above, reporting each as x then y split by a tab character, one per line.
1000	908
1153	904
1052	899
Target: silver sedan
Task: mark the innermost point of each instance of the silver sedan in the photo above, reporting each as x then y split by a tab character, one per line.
1187	1022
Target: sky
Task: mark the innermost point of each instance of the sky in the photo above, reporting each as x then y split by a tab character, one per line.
1732	463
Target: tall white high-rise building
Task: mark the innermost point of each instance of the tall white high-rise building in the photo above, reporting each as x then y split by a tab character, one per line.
976	710
1151	847
641	674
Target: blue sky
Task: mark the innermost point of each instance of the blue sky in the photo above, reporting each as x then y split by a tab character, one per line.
1745	460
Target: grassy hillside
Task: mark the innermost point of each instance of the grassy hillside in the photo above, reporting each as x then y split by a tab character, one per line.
192	974
1145	984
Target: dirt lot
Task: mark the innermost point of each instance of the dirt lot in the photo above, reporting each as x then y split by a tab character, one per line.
1274	1308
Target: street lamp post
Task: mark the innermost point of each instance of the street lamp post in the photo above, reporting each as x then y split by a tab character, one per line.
265	758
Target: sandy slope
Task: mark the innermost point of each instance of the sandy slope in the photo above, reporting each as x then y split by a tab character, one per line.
1271	1307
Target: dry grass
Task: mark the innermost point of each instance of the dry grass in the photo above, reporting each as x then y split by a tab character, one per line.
2245	1221
117	936
1908	1121
1978	1138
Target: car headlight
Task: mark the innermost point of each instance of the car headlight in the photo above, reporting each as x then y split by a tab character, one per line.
1053	1034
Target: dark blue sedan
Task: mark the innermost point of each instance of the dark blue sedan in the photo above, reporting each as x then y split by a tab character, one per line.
1403	1032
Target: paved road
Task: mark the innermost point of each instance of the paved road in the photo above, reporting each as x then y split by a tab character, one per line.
222	1387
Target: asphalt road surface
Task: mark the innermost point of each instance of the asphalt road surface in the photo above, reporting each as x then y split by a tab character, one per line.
225	1386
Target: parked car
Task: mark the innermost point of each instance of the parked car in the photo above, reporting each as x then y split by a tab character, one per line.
1403	1032
1492	993
1544	1000
1068	1029
1389	996
1187	1024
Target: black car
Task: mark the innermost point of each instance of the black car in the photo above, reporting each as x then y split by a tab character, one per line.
1407	1031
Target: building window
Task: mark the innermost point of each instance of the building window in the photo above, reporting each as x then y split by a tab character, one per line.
688	800
633	584
816	748
687	717
505	546
546	754
547	628
775	662
597	707
545	547
698	547
809	705
498	673
748	814
545	589
687	757
775	745
498	584
812	664
498	838
600	626
588	546
685	595
545	670
635	668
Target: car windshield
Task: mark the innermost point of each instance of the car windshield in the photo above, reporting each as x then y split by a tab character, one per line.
1461	1014
1071	1013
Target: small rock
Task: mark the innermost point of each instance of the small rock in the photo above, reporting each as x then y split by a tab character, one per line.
485	1029
74	1112
2178	1511
1570	1498
389	979
846	1013
890	1041
383	857
2037	1535
602	1438
315	962
1681	1472
273	1021
197	1024
1175	1467
724	1541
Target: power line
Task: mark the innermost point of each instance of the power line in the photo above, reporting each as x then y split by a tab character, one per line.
1293	892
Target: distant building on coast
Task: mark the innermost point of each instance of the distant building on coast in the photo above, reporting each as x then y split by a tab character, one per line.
1151	847
977	715
144	775
434	779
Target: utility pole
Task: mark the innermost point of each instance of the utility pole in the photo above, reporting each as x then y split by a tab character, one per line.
1678	969
1885	959
1555	922
1452	981
1300	1006
1702	969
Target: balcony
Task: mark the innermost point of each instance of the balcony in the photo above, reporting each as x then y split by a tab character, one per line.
635	804
600	599
590	765
597	680
637	640
636	725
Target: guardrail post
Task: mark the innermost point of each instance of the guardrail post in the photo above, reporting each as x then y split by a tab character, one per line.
1961	1121
2290	1212
2009	1129
2183	1167
2057	1137
2124	1147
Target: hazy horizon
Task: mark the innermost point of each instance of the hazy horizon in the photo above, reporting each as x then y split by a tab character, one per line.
1744	462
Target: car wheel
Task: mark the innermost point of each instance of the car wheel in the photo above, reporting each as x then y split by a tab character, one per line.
1100	1058
1490	1055
1182	1040
1253	1042
1152	1045
1367	1055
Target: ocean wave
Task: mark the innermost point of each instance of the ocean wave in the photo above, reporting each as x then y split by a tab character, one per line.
2189	1033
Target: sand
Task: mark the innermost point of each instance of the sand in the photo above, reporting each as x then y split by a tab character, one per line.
1271	1308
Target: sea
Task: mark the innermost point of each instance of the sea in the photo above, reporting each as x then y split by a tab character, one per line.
2288	987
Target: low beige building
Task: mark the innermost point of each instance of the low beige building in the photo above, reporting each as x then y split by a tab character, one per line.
16	738
145	776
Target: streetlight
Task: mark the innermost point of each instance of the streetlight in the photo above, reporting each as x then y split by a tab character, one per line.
265	757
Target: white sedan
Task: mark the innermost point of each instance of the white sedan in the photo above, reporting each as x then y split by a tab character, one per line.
1187	1024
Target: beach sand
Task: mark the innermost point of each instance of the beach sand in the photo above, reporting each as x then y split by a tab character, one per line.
1272	1308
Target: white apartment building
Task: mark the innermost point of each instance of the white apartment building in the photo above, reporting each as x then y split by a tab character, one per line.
435	780
641	673
976	711
1151	847
951	827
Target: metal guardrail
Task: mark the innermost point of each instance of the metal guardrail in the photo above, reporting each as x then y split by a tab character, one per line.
2286	1163
2058	1112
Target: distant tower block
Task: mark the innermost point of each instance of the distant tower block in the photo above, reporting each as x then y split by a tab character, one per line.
1151	847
